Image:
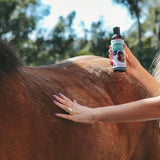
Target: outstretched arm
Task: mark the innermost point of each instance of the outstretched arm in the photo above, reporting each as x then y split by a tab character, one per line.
142	110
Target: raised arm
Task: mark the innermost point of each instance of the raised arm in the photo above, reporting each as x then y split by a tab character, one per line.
135	69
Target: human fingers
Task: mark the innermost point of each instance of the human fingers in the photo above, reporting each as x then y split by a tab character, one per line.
110	50
63	99
59	99
62	106
111	62
111	55
65	116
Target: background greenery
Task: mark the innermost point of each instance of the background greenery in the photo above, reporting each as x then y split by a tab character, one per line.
19	19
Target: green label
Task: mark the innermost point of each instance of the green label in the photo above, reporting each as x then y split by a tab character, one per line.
118	47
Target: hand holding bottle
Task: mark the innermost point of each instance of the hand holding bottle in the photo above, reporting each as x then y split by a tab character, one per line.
135	69
133	65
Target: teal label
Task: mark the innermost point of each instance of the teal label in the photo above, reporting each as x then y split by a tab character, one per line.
119	61
118	46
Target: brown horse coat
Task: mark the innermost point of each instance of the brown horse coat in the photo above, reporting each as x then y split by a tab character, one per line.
29	130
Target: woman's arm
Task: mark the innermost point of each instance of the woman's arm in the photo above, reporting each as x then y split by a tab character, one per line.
142	110
148	81
146	109
135	69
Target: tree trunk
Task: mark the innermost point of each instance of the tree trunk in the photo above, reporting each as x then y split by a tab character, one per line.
139	32
158	26
139	36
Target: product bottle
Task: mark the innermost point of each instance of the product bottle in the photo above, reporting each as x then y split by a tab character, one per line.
117	43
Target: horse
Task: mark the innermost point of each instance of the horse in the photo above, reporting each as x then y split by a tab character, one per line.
29	130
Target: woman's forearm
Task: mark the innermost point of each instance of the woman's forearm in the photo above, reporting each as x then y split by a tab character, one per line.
146	109
148	81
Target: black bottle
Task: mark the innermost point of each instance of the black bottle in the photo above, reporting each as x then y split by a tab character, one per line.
117	43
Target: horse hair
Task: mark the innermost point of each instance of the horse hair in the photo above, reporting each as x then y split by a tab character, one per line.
9	59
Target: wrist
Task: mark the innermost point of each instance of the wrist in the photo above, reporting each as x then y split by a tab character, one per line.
94	115
147	80
139	71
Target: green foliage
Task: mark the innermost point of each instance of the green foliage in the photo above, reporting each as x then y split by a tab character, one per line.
15	23
99	40
84	52
61	42
134	6
143	38
19	19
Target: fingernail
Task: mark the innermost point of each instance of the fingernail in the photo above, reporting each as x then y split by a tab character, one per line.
111	62
60	94
56	114
54	96
110	52
75	101
54	101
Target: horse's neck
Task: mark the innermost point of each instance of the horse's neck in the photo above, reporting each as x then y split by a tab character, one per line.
12	88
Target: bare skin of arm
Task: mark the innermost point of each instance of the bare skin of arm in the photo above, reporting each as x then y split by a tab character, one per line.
142	110
135	69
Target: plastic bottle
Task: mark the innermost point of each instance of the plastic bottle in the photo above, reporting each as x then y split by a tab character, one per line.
117	43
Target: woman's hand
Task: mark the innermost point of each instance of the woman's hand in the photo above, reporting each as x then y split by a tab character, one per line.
77	113
133	65
135	69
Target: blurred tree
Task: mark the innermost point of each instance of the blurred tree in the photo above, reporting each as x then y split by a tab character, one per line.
135	7
150	35
83	42
100	40
158	24
154	16
84	52
85	30
61	41
148	49
151	25
18	19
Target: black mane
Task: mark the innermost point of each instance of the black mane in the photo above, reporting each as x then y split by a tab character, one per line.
9	59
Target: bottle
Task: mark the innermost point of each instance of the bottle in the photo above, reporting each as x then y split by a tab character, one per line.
117	43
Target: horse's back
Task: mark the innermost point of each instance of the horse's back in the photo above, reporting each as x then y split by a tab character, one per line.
91	81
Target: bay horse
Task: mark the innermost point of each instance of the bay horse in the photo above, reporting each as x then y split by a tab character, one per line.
29	130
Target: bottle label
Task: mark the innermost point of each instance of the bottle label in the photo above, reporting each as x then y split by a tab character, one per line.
119	60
